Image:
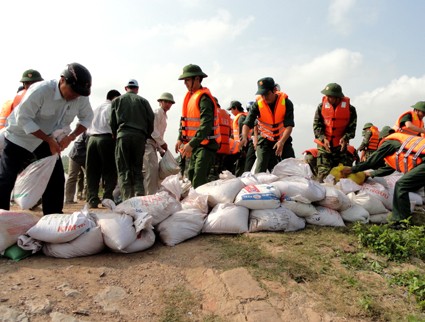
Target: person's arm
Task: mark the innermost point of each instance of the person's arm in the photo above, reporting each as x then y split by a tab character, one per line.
410	126
113	117
206	124
249	123
288	123
350	130
319	128
367	134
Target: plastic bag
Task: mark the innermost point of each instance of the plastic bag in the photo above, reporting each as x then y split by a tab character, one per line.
168	165
31	183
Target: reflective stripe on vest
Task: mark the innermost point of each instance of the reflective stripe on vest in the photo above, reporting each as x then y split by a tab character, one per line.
415	121
336	119
225	130
374	139
270	124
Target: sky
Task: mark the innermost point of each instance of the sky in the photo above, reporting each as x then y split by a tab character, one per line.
373	49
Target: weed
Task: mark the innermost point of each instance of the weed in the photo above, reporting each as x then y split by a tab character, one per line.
179	302
415	283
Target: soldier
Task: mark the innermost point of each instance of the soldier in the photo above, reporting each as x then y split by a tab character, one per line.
370	141
334	126
411	122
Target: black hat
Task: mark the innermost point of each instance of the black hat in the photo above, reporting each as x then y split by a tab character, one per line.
79	78
235	104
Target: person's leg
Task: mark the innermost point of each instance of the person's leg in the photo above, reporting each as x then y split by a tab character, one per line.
106	148
13	160
122	159
81	180
139	143
263	157
250	157
71	182
151	169
93	171
203	160
410	182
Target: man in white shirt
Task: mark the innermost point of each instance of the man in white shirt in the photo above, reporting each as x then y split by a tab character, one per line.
47	106
100	157
156	143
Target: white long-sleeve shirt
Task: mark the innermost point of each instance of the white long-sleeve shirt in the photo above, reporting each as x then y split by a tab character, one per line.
160	125
101	117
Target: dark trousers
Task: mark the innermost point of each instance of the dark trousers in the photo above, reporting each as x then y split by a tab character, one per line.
201	162
14	159
266	155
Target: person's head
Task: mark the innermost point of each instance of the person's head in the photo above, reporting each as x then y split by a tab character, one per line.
367	125
333	92
235	107
192	76
277	87
75	81
132	86
419	108
166	100
249	105
385	131
29	77
113	93
266	87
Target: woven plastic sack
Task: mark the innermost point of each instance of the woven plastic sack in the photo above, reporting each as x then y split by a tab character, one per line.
168	165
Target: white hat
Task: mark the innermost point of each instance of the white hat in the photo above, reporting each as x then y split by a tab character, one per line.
132	83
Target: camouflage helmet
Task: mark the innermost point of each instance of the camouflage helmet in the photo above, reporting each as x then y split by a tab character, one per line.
420	106
367	125
386	130
31	75
166	97
333	89
192	71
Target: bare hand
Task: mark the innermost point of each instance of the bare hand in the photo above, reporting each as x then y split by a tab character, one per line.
164	147
345	172
327	145
186	152
63	144
343	144
178	146
279	148
54	147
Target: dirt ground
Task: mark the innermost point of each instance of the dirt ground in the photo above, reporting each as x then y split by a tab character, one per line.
180	283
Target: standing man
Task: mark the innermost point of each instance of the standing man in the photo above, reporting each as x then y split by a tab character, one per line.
370	141
76	170
411	122
131	124
100	159
274	112
46	107
29	77
334	125
156	144
239	117
199	134
397	152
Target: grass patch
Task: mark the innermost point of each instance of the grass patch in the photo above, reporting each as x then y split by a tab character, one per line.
179	304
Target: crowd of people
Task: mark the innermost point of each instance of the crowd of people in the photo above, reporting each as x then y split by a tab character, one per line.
117	143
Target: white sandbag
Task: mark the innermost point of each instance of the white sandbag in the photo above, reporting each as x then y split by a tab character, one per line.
378	191
88	243
335	199
181	226
301	209
12	225
371	204
279	219
300	189
32	181
292	167
221	191
379	218
168	166
226	174
326	217
355	213
117	229
258	178
145	239
195	200
61	228
249	178
347	185
415	198
261	196
226	218
159	206
26	242
173	185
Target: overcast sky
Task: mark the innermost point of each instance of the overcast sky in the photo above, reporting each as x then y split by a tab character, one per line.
374	49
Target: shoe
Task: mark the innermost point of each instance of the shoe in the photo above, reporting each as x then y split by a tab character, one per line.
70	202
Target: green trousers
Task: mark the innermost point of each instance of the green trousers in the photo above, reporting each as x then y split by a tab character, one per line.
201	162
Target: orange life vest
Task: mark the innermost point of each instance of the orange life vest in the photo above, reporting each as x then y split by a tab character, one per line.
374	139
191	117
336	119
8	107
270	124
225	130
415	121
410	153
233	146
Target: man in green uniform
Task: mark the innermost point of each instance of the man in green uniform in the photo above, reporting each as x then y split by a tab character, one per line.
334	125
369	143
131	123
199	133
412	180
274	112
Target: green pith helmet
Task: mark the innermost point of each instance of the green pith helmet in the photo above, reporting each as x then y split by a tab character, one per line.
386	130
367	125
333	89
192	71
166	97
419	106
31	75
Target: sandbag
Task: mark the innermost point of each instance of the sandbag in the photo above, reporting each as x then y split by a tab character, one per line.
292	167
221	191
370	203
347	185
335	199
249	178
117	229
379	218
326	217
61	228
226	218
159	206
278	219
378	191
145	239
195	200
168	165
355	213
181	226
261	196
13	224
300	189
32	181
88	243
301	209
